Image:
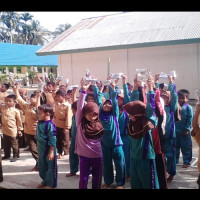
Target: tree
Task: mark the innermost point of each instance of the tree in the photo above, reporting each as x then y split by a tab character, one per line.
60	29
10	19
31	76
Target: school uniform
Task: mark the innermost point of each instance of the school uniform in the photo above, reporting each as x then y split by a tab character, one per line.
170	132
88	150
184	142
3	96
48	98
30	124
46	137
1	169
11	124
112	144
123	122
63	121
142	163
73	157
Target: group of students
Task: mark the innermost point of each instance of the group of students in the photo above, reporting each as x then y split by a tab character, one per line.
132	134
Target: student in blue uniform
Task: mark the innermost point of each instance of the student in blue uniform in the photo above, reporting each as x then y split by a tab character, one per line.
123	123
111	140
73	157
46	144
142	121
183	129
170	98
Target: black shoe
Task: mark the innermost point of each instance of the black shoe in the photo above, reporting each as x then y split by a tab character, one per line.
14	159
4	158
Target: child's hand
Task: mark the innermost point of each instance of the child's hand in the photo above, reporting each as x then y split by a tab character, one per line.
86	86
124	78
38	93
150	83
100	86
170	78
157	77
50	155
185	133
113	85
19	133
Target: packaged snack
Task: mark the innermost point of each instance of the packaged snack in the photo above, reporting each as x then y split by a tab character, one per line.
163	75
35	69
40	87
143	74
116	76
144	71
18	80
45	75
107	82
73	87
67	81
11	75
173	74
142	78
59	78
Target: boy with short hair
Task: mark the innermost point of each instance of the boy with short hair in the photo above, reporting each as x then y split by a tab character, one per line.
63	121
183	129
30	123
46	144
11	127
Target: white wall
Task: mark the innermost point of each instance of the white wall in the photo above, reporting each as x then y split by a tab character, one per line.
184	59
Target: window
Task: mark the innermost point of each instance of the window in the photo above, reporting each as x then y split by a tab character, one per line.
19	70
2	70
39	69
11	69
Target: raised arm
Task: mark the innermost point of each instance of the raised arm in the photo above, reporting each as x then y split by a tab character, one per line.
125	88
115	107
38	77
38	94
80	102
21	101
150	108
174	96
134	96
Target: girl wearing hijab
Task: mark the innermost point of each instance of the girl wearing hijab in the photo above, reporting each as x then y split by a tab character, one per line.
88	141
142	163
111	140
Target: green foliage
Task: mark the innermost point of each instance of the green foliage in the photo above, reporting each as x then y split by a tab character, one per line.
22	29
4	78
52	76
31	75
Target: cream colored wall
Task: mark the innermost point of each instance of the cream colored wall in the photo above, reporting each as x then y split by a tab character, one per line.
184	59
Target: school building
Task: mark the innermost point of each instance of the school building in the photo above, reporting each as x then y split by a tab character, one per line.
18	58
161	41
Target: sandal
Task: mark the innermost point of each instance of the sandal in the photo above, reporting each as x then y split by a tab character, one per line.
104	186
71	174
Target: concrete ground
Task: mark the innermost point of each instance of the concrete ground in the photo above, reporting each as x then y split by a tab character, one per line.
18	175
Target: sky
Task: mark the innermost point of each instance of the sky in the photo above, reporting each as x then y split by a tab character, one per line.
51	20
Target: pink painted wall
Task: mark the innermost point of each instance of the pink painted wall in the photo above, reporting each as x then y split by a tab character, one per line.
184	59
